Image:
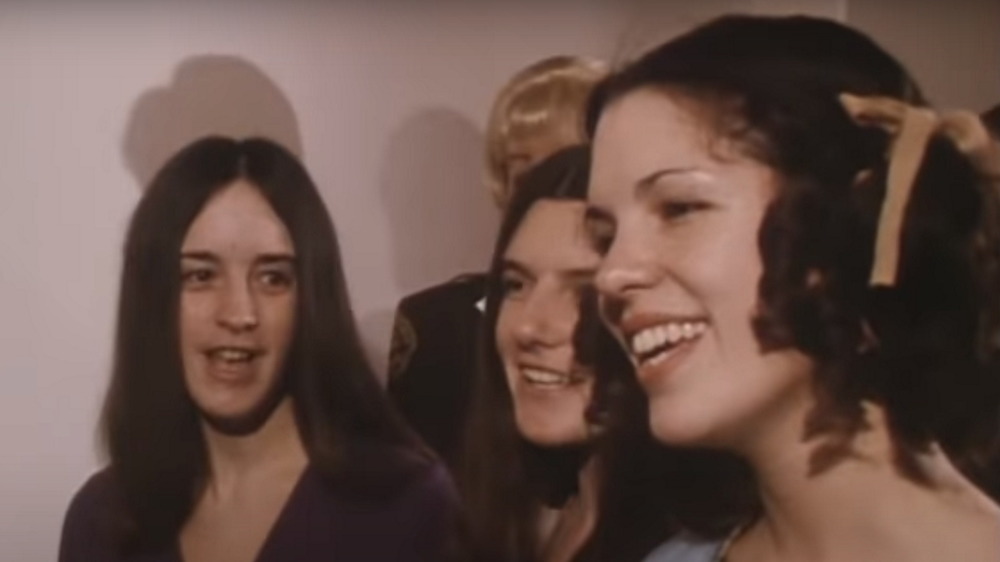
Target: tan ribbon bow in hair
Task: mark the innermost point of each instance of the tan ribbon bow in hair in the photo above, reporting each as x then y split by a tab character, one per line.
912	127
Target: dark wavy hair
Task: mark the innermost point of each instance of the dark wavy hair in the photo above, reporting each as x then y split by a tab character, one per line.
991	118
504	479
150	425
926	349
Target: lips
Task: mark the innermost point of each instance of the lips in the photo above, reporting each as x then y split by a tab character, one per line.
650	338
651	344
544	377
232	363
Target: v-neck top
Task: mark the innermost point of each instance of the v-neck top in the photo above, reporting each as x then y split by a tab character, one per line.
316	524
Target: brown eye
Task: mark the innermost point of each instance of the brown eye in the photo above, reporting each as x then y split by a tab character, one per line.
276	279
511	286
672	210
197	277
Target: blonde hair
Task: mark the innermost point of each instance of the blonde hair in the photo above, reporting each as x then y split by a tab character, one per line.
551	93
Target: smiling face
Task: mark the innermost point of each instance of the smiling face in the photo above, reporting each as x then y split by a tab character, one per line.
237	308
677	214
547	266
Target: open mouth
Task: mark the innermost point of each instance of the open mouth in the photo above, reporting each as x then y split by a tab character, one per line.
232	356
651	346
546	378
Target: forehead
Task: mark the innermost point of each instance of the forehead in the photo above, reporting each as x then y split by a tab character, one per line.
238	220
552	236
646	130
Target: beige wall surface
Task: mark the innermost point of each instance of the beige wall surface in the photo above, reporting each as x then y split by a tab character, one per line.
953	47
386	106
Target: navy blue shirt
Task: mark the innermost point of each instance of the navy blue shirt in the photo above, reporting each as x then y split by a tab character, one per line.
316	524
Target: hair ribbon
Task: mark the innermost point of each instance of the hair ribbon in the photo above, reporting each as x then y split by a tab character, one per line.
911	128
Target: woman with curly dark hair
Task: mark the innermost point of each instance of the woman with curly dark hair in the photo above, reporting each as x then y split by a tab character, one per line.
801	259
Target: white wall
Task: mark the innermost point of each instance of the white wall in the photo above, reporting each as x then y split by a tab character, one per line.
952	47
386	106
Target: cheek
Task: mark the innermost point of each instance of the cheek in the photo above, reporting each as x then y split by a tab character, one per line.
195	315
503	335
281	312
505	346
724	269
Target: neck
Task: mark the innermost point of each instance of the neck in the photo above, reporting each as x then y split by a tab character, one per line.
854	507
563	532
275	446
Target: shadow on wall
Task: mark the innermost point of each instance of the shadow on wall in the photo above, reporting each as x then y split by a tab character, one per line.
441	214
208	94
375	330
442	217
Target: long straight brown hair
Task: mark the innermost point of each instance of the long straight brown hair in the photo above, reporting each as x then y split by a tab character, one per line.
150	426
505	480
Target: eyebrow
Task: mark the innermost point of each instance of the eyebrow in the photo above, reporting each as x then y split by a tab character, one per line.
647	182
262	259
572	273
274	258
200	256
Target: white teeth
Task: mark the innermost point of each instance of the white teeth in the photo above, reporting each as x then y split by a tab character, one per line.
231	355
674	332
538	376
670	333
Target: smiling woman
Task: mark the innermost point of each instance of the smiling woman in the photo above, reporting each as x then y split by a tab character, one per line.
243	422
536	481
237	309
545	270
801	259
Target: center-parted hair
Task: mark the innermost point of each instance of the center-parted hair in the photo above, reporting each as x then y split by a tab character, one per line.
506	480
926	349
150	425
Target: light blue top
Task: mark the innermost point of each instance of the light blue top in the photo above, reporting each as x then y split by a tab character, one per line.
686	548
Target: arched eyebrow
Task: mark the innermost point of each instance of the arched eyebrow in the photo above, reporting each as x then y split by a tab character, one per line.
574	274
275	258
508	265
650	180
200	255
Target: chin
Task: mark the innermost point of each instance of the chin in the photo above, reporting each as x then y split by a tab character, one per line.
228	406
552	435
242	418
670	425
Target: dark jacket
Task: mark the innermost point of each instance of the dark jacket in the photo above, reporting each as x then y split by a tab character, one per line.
433	358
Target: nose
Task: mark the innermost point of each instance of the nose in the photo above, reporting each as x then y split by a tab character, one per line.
626	267
546	321
237	310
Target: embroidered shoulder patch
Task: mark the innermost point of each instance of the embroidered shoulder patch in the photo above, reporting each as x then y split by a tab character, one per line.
404	344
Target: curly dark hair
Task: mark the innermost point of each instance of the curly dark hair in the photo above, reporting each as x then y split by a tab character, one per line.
991	117
925	349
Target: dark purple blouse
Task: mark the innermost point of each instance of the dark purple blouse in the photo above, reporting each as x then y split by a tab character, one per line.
315	525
